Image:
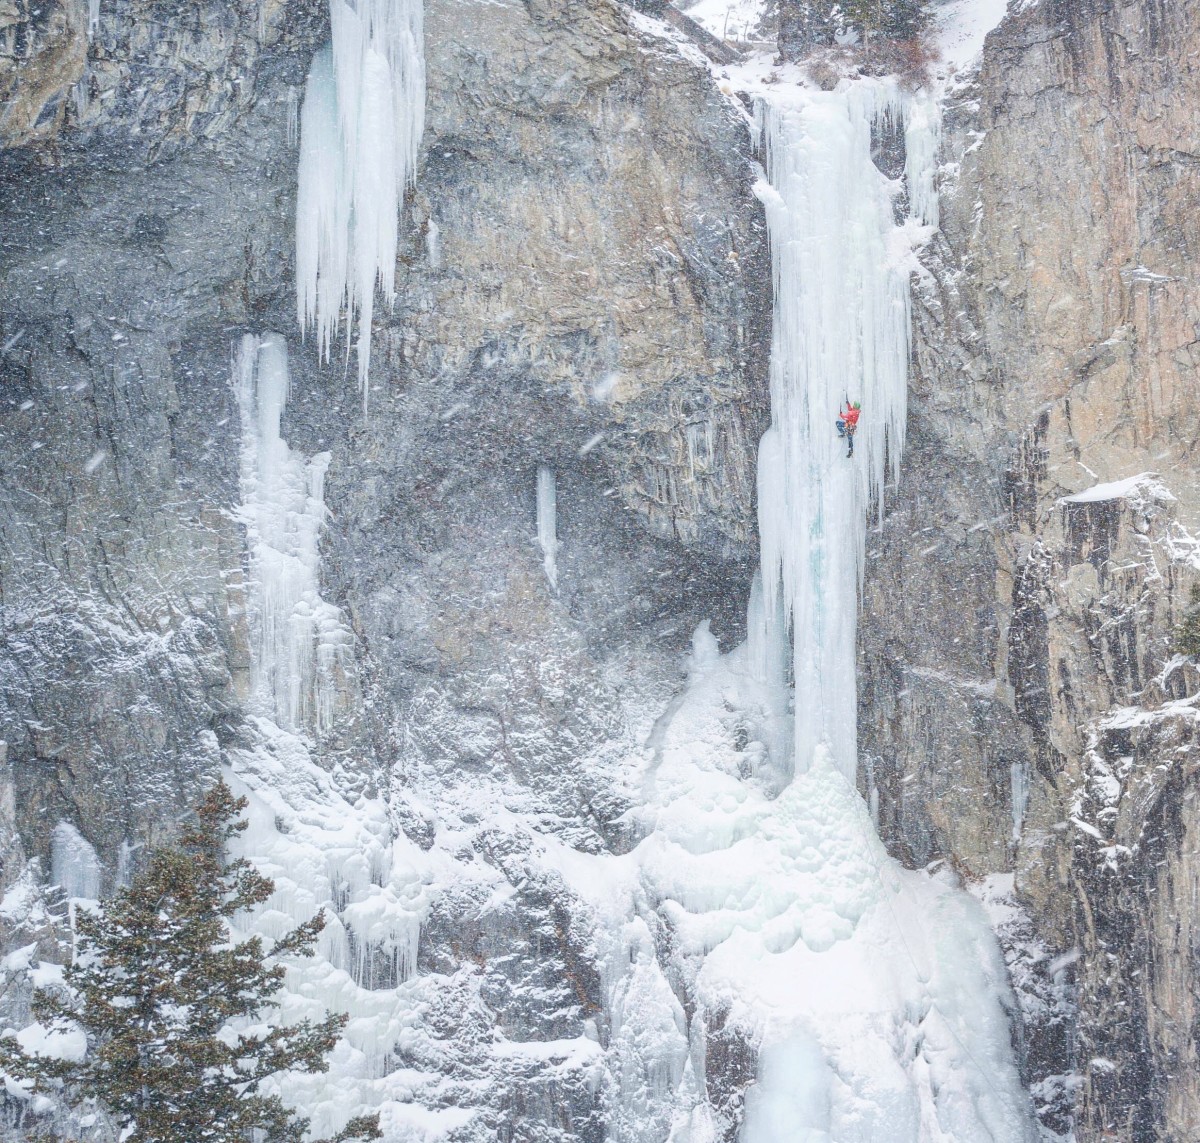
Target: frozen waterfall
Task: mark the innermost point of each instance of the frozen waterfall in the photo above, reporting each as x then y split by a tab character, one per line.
323	843
870	998
841	333
360	130
303	660
74	866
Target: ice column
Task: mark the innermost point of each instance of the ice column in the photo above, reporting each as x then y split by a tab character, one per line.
922	137
1019	777
74	866
841	333
360	129
303	651
547	523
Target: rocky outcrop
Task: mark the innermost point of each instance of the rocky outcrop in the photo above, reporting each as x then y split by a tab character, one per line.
43	53
91	75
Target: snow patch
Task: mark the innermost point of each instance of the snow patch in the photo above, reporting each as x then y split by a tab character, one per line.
1144	486
960	28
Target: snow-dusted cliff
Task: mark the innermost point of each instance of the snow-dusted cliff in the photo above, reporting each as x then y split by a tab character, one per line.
455	585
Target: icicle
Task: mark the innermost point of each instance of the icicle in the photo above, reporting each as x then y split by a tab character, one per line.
360	130
293	115
872	792
766	638
841	333
81	97
93	18
1020	797
304	654
547	510
74	866
125	863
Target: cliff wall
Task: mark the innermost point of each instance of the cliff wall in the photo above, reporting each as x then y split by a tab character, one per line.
584	285
1021	697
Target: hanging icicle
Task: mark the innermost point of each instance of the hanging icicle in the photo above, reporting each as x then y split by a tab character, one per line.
547	524
360	131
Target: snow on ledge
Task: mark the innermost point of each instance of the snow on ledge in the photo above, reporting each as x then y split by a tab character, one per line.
959	29
1144	486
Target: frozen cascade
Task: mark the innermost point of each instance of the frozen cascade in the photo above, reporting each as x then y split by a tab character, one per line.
303	661
841	333
547	517
1019	776
325	845
360	130
327	848
870	998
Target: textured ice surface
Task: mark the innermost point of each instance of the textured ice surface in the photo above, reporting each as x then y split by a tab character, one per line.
327	850
841	334
303	650
360	130
74	866
874	992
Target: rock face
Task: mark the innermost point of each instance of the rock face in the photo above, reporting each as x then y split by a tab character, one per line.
93	74
1022	706
583	286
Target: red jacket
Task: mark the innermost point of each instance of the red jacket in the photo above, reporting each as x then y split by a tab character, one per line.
850	416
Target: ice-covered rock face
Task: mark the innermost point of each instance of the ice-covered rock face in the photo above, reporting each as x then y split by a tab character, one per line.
582	290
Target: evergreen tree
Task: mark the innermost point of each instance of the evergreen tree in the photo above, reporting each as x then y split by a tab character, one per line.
1187	635
156	984
888	19
804	24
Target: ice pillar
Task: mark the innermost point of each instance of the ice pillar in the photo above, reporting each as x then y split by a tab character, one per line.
841	333
303	658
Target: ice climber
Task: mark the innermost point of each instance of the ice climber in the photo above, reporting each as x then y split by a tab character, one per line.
847	424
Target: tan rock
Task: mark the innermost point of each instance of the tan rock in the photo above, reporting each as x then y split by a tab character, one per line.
42	54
